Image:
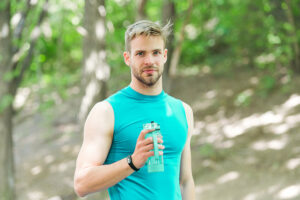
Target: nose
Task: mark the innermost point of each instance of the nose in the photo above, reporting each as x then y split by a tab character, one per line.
148	61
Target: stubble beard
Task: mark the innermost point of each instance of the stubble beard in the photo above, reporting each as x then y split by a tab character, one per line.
149	80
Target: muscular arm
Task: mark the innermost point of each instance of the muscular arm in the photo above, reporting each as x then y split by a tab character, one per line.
186	177
90	174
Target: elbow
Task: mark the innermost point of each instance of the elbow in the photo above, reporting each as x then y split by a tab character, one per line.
79	186
79	189
83	185
183	180
186	180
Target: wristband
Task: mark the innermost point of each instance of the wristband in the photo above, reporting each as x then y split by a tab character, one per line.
129	161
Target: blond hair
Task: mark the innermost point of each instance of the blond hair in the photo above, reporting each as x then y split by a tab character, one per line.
146	28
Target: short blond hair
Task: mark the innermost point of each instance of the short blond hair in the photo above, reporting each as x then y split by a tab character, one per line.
146	28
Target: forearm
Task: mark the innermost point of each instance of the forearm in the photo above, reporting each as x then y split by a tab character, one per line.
97	178
188	190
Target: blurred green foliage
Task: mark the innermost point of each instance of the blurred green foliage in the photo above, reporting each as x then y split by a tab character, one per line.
5	101
207	150
244	98
254	34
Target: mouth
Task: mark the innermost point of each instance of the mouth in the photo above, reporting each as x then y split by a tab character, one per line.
150	70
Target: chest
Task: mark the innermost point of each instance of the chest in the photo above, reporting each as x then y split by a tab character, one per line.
129	122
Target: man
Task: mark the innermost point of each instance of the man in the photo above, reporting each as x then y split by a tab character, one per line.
114	149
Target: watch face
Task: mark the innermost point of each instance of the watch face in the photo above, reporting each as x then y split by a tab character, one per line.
128	159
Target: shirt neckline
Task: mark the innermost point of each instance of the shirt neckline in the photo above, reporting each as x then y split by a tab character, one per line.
136	95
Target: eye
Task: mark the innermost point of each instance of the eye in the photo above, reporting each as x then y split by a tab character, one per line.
140	53
156	52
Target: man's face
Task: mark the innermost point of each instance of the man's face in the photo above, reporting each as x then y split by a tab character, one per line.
146	59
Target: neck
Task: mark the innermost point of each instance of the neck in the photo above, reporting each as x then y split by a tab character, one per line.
155	89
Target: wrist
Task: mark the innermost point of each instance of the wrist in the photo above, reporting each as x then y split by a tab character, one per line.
131	164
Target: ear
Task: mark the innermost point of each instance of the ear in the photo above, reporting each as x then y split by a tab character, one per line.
165	55
126	56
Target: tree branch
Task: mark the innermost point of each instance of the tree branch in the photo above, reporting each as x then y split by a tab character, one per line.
20	26
141	12
177	51
18	32
28	59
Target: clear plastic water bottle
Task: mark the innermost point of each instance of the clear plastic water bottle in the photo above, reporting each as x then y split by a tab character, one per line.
154	163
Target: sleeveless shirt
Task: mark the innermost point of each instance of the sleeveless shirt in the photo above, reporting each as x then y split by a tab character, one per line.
131	111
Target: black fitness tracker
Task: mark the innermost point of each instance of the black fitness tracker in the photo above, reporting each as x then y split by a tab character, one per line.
129	161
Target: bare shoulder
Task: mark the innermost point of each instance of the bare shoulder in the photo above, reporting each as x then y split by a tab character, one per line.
188	111
101	117
189	116
188	108
101	109
98	133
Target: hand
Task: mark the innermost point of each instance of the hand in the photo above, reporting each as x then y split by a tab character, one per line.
142	149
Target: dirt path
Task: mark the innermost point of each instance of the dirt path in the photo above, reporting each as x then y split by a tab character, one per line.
244	153
239	152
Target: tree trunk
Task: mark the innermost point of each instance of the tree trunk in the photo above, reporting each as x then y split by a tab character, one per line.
277	10
141	10
7	181
8	89
286	15
96	71
295	45
177	51
6	143
168	14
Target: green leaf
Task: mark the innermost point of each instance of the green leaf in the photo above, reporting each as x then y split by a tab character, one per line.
244	98
274	39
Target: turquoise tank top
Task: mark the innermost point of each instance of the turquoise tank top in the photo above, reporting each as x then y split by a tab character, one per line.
131	111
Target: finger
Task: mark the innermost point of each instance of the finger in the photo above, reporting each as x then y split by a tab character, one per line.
147	141
149	154
142	143
151	147
147	148
143	133
159	140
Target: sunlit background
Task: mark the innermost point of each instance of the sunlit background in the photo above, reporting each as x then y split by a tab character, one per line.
236	62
